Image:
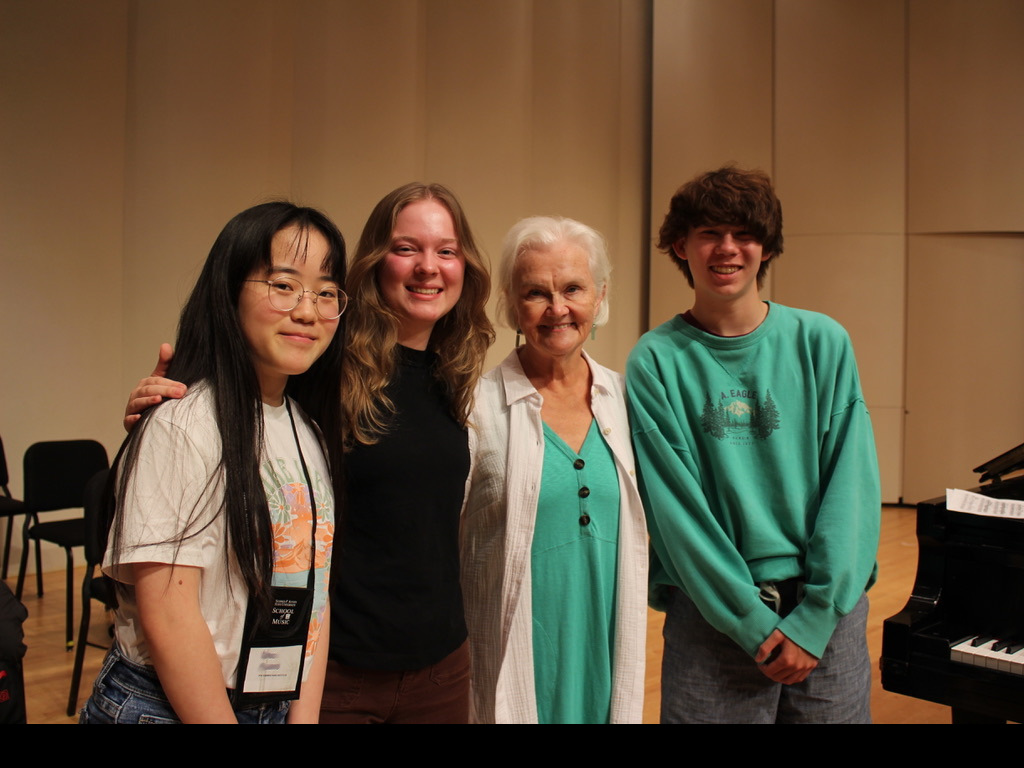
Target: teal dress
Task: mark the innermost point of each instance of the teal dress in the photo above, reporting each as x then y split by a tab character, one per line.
573	570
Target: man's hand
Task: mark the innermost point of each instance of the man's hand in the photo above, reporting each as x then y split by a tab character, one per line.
783	661
152	390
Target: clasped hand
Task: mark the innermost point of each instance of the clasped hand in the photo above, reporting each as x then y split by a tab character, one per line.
783	661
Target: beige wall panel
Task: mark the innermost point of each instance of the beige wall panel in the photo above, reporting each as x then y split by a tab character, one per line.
965	333
359	110
887	424
478	60
629	233
576	88
209	121
859	281
966	128
62	107
712	104
840	115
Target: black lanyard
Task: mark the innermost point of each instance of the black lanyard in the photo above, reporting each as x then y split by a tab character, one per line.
273	652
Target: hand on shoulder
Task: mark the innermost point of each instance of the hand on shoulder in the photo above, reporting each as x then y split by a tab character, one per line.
153	389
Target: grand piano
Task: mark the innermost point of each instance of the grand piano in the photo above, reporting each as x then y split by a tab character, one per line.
959	640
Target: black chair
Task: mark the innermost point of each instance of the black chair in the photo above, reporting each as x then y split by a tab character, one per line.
9	507
55	477
94	586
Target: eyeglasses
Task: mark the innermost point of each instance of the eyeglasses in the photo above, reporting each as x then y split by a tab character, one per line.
285	293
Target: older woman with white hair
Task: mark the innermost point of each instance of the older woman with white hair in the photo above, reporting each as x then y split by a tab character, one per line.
554	542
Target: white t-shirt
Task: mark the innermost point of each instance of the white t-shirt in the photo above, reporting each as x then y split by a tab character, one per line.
177	488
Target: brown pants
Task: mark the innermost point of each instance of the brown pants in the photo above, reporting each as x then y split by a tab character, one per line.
434	694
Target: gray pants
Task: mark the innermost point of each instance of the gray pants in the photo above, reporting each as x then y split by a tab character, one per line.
707	678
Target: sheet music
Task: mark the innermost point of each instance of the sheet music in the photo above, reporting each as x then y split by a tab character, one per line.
959	500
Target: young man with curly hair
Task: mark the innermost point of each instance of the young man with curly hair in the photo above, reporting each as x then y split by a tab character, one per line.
759	475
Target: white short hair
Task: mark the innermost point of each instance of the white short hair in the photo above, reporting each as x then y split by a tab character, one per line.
541	233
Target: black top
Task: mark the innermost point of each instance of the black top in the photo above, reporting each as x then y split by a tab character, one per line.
396	602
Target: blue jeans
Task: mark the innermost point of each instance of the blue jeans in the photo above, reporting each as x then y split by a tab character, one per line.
126	692
707	678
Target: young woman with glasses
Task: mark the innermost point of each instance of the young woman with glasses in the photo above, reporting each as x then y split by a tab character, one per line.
224	522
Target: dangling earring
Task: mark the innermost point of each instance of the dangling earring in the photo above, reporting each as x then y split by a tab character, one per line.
519	334
593	332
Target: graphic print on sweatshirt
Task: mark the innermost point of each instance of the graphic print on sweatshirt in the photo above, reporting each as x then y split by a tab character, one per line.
740	415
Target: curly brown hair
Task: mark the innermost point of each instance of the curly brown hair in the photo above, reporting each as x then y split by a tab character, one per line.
459	339
729	195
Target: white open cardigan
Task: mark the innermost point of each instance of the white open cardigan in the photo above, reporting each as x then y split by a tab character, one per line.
507	446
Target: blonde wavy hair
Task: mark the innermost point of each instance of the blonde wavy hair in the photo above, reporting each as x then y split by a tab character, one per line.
459	339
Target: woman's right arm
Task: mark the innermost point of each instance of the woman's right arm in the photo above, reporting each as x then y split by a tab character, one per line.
179	641
152	390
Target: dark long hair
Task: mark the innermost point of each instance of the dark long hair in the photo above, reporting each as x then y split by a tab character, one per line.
211	348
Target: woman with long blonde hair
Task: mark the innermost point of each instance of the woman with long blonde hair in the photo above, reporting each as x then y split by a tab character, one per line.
417	335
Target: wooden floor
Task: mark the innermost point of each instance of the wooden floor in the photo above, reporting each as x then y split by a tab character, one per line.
48	666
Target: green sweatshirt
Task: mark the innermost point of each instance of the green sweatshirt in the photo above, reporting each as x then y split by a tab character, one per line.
757	463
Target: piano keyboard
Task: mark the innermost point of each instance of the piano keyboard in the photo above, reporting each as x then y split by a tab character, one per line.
990	653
